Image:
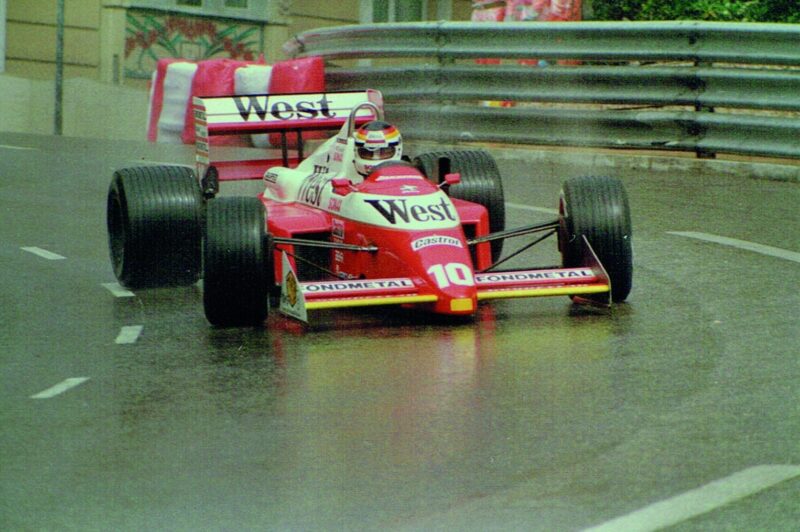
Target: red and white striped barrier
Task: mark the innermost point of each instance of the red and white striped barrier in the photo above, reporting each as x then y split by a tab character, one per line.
176	81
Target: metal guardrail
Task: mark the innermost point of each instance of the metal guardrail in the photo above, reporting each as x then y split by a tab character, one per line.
690	86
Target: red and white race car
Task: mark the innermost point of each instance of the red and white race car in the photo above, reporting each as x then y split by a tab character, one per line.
355	223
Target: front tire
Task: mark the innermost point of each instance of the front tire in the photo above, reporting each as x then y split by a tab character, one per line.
597	207
480	183
154	219
238	262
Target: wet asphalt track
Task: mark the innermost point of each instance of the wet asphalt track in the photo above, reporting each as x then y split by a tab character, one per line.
536	416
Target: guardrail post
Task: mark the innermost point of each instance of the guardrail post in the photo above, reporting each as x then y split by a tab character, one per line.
701	108
442	62
59	89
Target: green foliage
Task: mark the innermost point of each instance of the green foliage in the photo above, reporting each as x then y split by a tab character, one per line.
711	10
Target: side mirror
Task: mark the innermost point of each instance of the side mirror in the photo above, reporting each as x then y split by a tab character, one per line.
451	179
342	186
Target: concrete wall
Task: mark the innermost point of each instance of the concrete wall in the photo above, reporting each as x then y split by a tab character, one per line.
31	38
310	14
90	109
95	37
94	105
95	33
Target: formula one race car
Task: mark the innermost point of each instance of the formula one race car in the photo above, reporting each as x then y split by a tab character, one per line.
355	223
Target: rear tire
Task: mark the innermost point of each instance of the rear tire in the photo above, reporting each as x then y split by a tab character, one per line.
238	262
154	219
480	183
597	207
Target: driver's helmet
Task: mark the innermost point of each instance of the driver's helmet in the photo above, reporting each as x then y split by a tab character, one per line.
376	142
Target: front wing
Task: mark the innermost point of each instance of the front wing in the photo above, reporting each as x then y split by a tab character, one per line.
588	282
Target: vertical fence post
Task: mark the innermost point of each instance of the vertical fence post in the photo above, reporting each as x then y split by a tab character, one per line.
58	116
700	108
2	36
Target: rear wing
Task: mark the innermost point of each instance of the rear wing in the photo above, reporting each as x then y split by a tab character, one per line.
271	113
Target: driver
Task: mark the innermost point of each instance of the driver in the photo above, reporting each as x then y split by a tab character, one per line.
376	142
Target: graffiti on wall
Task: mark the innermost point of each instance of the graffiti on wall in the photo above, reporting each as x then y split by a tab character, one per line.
151	36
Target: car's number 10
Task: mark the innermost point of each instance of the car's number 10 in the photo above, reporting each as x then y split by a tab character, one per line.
452	273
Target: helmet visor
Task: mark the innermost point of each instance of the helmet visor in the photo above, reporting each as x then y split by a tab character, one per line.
377	154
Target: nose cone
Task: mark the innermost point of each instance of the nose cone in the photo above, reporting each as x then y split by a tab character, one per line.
448	270
457	305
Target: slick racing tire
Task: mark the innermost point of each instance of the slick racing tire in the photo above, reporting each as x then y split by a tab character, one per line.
597	207
480	183
238	265
154	218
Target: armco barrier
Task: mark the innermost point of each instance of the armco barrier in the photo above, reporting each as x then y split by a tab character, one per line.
688	86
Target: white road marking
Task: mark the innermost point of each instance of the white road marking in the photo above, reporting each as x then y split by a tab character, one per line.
49	255
530	208
129	334
60	388
701	500
9	147
741	244
118	290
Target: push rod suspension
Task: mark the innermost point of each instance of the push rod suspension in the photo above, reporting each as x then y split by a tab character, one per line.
518	231
322	244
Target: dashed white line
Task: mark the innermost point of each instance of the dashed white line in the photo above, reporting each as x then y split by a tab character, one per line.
531	208
129	334
9	147
60	388
118	290
741	244
49	255
701	500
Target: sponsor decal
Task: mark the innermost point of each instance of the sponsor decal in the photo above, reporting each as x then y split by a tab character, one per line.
545	275
264	107
253	109
435	240
402	210
292	302
338	256
311	189
356	286
335	204
409	189
199	115
270	177
338	229
290	289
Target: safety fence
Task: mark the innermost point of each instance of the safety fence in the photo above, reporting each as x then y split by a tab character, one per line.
679	86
